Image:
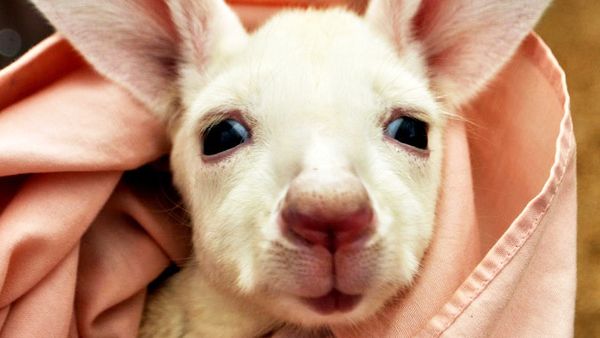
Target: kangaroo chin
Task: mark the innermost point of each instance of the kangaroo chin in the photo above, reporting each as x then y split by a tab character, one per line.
308	152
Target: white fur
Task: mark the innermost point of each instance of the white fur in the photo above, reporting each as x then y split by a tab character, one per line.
316	88
325	111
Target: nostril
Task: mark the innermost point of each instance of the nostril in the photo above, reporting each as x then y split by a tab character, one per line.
327	208
329	233
311	237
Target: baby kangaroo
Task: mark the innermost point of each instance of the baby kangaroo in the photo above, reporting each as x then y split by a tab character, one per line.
308	152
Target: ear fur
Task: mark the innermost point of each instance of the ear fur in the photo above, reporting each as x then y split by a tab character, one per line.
394	19
140	44
465	42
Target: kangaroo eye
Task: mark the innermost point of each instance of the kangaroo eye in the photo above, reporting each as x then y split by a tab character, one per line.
223	136
409	131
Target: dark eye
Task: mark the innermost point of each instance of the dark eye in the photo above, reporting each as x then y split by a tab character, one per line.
223	136
409	131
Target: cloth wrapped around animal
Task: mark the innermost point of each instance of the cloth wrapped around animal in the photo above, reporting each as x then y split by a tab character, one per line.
86	225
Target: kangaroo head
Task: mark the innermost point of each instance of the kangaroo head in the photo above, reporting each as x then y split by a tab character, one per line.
310	162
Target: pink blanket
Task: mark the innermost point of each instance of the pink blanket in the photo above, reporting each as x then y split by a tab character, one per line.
80	241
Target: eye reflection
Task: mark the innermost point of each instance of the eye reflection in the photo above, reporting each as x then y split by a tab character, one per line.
408	130
223	136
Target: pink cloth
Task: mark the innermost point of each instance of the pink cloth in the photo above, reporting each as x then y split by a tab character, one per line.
79	241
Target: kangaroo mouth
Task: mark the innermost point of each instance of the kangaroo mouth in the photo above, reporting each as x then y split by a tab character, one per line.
334	301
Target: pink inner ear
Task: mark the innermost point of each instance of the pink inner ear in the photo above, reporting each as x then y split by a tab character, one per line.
158	10
132	42
192	22
445	33
467	41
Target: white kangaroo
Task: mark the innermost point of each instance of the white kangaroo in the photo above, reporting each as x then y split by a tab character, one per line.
308	152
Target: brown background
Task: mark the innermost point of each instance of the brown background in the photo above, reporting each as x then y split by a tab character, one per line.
572	29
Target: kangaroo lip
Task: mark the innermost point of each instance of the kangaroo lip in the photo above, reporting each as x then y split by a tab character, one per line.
334	301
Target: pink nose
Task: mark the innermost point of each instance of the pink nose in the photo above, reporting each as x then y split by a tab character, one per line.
328	210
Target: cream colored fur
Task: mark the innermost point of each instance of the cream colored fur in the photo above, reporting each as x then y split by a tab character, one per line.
320	105
316	88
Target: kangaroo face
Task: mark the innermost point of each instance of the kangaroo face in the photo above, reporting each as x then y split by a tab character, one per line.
310	162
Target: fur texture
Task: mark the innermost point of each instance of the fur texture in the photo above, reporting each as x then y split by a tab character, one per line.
316	89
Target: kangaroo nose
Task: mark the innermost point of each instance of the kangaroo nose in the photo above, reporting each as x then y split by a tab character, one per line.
328	210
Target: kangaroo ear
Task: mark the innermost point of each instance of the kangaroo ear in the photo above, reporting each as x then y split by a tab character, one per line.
141	44
465	42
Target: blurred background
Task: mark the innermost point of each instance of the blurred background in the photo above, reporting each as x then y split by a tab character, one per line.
570	27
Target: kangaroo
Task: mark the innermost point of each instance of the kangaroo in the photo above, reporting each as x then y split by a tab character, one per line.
308	152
